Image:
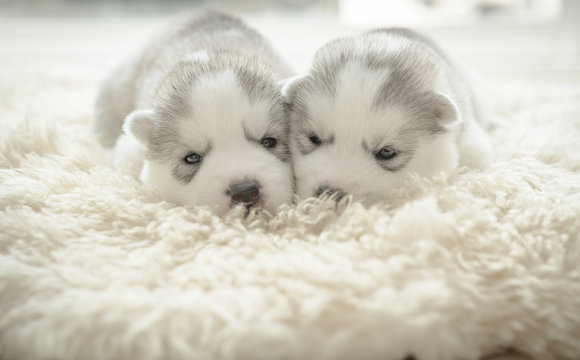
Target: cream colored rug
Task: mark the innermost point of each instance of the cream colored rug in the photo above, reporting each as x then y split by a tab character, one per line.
92	266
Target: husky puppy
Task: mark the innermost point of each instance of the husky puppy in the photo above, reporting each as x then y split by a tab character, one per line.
198	115
377	107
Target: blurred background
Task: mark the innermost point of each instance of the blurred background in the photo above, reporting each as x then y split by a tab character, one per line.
527	40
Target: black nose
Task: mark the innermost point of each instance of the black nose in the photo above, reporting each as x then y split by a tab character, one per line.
336	194
246	192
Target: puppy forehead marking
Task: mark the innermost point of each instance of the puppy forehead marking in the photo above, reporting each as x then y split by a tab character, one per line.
379	93
359	84
350	109
222	110
200	55
352	115
214	88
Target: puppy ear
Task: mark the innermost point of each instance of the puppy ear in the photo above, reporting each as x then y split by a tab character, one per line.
445	110
289	87
139	124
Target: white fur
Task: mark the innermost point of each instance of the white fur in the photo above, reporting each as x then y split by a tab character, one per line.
138	125
128	155
288	86
350	116
232	157
219	113
93	266
200	55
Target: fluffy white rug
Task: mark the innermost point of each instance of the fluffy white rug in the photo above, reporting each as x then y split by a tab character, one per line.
92	266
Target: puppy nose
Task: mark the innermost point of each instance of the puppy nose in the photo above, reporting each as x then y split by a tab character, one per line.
330	191
246	192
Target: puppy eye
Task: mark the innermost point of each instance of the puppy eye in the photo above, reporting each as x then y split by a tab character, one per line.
192	158
269	142
386	153
315	140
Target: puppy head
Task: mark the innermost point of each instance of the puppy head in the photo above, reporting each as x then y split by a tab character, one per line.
362	121
217	135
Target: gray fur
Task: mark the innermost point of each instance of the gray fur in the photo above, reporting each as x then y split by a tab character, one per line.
143	80
163	75
281	150
386	88
413	71
185	172
405	153
305	146
173	101
415	65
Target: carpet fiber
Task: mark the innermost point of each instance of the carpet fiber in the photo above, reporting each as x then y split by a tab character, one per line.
92	266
